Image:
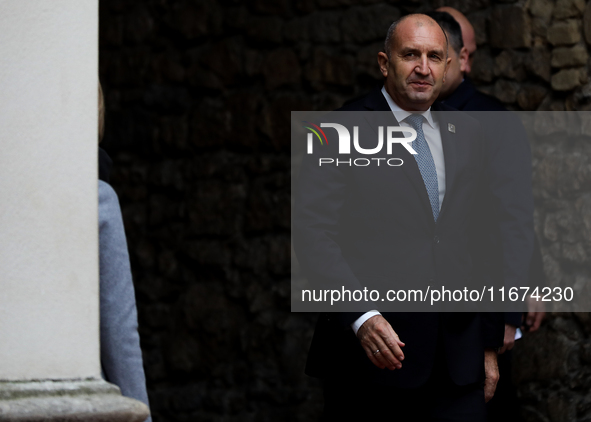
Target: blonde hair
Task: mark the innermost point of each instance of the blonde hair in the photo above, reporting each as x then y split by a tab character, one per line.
101	113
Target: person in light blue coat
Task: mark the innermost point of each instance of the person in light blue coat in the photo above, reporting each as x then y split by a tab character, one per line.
121	355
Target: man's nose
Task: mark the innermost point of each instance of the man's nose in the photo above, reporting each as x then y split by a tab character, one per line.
423	66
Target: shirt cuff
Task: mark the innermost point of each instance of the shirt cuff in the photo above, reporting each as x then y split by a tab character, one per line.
359	321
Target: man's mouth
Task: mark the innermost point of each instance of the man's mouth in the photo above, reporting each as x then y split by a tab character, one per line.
420	84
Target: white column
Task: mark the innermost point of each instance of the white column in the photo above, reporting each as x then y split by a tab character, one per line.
48	189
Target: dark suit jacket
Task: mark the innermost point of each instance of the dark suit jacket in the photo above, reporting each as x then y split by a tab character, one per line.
509	154
351	226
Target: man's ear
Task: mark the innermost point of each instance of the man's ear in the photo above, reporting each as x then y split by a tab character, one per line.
464	58
447	63
383	63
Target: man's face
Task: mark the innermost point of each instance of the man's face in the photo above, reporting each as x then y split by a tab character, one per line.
455	72
470	46
468	34
416	68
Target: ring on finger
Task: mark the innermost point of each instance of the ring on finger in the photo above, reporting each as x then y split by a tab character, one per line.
376	352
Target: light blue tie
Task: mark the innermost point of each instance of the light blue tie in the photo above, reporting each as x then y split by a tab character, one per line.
426	163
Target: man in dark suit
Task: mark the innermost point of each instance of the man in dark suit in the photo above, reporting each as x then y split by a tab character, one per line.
459	93
411	224
507	153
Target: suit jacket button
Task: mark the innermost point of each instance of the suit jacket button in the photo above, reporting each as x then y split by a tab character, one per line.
436	239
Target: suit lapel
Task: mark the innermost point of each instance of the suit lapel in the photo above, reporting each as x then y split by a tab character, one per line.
449	150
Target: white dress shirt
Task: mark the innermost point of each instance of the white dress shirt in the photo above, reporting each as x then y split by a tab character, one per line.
433	138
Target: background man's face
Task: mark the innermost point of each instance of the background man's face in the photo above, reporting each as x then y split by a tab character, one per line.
468	35
470	46
417	65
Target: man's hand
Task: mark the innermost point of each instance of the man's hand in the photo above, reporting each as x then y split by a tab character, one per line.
381	343
509	340
535	314
491	371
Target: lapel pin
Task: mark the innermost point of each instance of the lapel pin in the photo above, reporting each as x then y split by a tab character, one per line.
451	128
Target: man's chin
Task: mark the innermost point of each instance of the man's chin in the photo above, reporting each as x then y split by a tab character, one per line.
422	97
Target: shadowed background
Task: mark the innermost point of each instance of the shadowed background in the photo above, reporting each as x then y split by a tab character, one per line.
198	97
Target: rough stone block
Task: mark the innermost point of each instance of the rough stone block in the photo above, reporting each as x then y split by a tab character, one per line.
281	67
561	408
369	23
531	96
539	28
509	64
224	59
482	67
139	25
320	27
330	68
566	79
112	33
587	22
253	62
366	60
268	29
564	33
297	30
203	78
568	9
325	4
584	319
480	23
173	131
305	6
324	27
506	91
196	19
236	17
551	228
528	356
568	327
277	116
167	68
538	63
569	57
510	27
542	9
272	7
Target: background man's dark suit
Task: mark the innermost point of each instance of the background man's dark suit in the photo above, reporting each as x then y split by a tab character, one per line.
505	405
467	97
387	210
507	152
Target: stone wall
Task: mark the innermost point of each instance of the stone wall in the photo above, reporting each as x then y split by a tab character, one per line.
198	97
